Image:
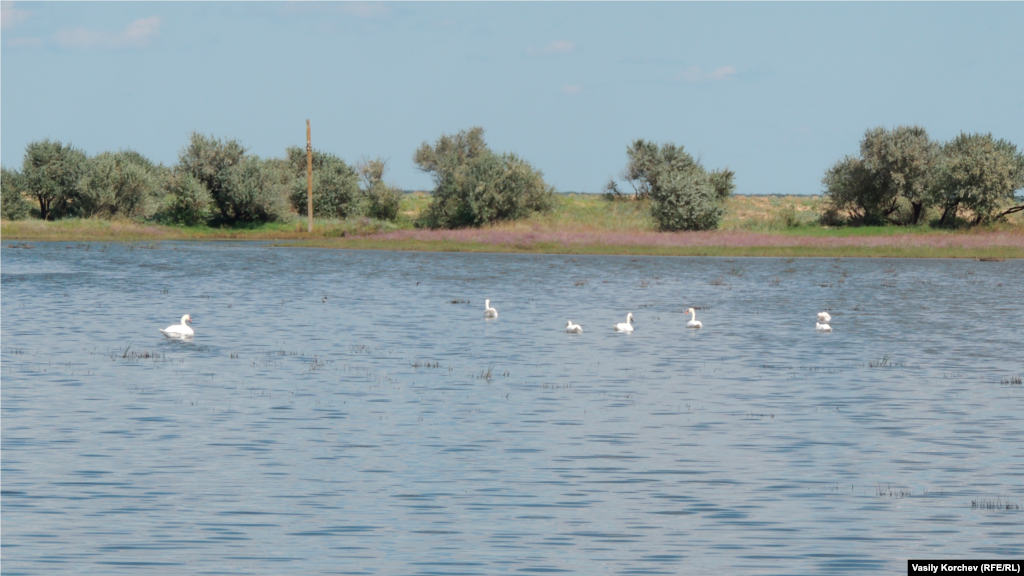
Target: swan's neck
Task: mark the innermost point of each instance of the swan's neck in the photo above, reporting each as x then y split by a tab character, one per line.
487	303
693	315
183	320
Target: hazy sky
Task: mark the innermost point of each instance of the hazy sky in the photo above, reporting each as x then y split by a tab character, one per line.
777	92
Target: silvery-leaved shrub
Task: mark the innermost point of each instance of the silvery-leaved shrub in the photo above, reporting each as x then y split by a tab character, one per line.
252	192
118	184
890	181
683	194
187	201
475	186
686	201
335	185
381	199
211	160
981	174
50	172
901	173
13	206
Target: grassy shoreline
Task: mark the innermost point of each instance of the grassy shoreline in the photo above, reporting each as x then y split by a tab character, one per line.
579	224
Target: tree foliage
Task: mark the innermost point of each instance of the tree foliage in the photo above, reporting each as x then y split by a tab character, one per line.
382	199
981	174
51	172
684	195
891	180
210	161
118	184
13	205
335	184
451	152
252	192
187	201
901	173
475	186
243	187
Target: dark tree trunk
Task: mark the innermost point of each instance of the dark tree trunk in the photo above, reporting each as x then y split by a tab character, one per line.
1011	211
950	209
918	210
892	207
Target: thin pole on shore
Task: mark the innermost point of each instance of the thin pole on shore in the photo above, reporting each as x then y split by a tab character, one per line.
309	177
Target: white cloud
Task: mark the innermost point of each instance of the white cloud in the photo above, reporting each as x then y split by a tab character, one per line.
695	75
26	42
357	8
723	73
138	34
571	89
556	47
11	16
366	9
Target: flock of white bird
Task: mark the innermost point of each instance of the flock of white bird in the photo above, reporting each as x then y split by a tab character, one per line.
183	330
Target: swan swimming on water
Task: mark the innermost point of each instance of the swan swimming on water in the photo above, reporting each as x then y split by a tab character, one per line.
822	327
573	328
179	330
488	311
823	317
626	326
693	323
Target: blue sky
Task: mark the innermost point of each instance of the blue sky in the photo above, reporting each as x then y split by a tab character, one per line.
776	91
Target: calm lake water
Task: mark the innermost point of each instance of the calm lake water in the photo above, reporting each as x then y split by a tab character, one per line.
391	429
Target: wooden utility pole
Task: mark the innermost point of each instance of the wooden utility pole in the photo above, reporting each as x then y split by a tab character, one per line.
309	177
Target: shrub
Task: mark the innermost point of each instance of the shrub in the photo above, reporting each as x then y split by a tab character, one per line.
848	188
251	192
981	174
684	195
382	200
475	186
187	201
451	152
13	205
210	161
117	184
788	217
686	200
51	172
335	184
891	181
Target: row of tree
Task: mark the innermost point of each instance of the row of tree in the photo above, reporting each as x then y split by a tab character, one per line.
218	181
901	174
214	181
898	177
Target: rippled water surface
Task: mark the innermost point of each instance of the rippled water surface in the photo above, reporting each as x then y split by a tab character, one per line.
391	429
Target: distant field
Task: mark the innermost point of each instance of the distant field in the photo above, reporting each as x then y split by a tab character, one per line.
583	224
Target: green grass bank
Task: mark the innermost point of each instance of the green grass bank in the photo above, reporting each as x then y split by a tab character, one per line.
780	226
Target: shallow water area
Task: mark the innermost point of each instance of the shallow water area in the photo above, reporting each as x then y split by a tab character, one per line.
348	412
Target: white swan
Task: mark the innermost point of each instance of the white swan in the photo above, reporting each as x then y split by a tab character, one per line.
822	327
488	311
179	330
693	323
626	326
573	328
823	317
